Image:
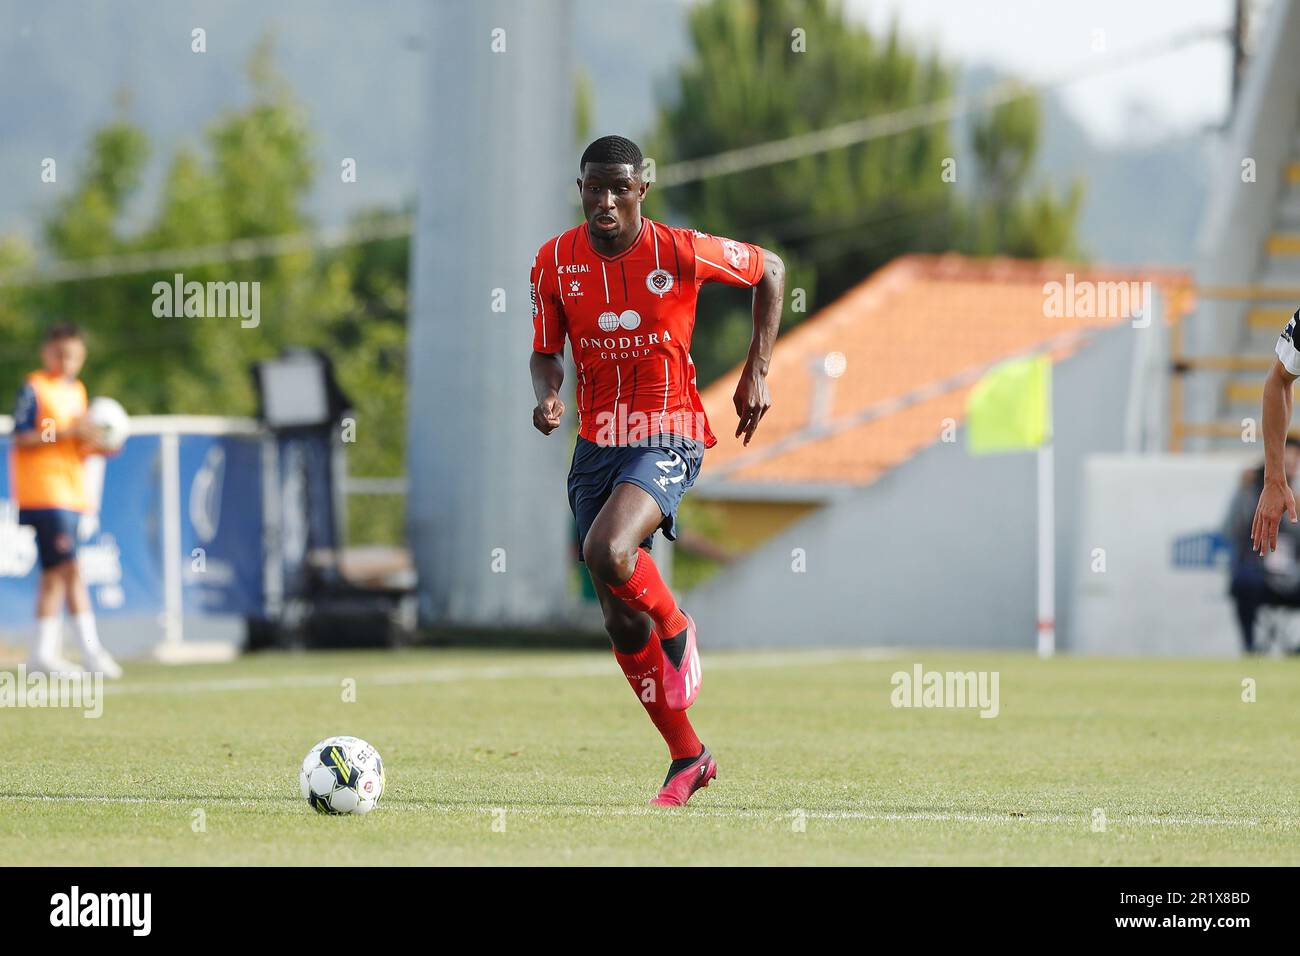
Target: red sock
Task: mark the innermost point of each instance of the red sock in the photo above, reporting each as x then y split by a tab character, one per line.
645	673
645	591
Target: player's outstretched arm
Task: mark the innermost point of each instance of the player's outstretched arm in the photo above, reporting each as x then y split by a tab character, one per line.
1277	497
752	399
547	370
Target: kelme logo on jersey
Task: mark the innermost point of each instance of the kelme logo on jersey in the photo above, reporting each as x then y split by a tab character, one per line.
659	281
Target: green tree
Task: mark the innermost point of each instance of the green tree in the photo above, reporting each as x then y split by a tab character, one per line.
770	69
249	176
1008	219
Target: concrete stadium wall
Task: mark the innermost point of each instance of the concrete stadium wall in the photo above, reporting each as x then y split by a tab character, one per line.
1163	589
1239	215
939	552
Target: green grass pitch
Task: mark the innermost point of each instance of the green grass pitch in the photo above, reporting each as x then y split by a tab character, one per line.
545	758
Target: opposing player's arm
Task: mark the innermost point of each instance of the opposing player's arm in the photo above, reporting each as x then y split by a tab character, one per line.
1277	497
752	398
91	440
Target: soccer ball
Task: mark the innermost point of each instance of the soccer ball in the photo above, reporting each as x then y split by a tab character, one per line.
112	421
342	775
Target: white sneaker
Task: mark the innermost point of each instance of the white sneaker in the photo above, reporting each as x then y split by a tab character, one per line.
101	662
51	664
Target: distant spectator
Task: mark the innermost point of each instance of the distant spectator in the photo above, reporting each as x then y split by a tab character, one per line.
1274	578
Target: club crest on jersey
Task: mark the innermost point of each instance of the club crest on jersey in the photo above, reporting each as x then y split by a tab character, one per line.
659	281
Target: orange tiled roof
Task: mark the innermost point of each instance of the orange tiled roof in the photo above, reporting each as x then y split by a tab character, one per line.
916	321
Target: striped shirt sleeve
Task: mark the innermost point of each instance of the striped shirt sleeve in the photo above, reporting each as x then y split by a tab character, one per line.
725	260
548	313
1286	345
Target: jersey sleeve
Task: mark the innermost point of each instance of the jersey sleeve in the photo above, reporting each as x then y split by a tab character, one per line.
1286	345
548	311
725	260
25	409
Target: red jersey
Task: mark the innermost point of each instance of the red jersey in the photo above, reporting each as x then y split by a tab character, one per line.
629	320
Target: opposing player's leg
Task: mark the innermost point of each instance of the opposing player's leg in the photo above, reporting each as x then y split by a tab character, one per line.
54	549
94	657
615	556
47	647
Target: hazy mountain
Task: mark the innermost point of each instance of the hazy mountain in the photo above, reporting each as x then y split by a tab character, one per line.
1142	202
359	69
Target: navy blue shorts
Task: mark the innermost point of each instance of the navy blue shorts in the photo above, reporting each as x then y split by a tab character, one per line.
56	533
664	470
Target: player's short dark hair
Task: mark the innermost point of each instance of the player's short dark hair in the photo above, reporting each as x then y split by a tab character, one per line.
63	330
616	150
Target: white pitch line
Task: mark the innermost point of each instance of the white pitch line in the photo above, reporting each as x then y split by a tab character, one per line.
561	810
552	810
604	667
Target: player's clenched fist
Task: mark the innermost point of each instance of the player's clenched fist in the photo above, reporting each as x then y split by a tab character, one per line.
547	414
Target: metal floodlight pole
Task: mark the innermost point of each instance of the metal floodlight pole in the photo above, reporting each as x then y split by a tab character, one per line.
487	518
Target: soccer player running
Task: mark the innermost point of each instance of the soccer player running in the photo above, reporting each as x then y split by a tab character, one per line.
623	289
51	439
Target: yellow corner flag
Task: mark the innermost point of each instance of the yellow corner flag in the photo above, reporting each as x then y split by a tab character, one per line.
1010	408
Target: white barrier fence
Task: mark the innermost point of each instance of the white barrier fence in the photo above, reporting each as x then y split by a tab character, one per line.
1153	569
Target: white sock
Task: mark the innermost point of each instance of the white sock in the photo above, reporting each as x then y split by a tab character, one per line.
49	637
87	633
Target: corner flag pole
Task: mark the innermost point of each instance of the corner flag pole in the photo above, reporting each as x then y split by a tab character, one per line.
1046	552
1010	409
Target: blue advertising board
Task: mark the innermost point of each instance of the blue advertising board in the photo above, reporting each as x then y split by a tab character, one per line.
221	524
120	553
